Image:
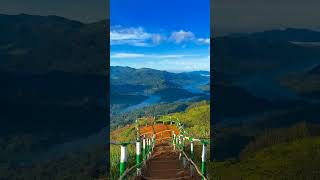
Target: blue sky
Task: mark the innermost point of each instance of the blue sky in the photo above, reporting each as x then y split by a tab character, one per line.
170	35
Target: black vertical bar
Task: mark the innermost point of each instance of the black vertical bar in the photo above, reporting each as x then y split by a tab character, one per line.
107	67
212	94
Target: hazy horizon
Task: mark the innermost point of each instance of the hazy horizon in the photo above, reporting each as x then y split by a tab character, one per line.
172	71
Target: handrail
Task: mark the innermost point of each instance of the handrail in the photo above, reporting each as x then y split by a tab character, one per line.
122	143
203	157
126	172
148	145
194	164
179	140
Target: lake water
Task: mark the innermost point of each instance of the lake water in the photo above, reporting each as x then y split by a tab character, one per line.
153	99
194	87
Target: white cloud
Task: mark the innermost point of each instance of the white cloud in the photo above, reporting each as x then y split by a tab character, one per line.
149	56
182	36
172	56
135	36
156	39
203	41
127	55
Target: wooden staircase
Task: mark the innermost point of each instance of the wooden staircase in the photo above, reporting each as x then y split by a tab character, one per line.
164	164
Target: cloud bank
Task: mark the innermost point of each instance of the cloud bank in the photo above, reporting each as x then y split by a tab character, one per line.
138	36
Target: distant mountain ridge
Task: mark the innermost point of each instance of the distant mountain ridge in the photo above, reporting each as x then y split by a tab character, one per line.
153	78
51	43
31	43
244	55
288	34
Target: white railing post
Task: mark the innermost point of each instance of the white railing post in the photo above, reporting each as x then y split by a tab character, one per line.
192	155
138	157
180	147
191	149
152	142
123	159
144	148
150	147
174	140
137	129
183	157
203	158
147	148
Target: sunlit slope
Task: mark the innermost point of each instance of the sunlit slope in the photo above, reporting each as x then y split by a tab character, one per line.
299	159
196	119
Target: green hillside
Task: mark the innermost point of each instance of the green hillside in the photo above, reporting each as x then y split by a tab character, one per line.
291	152
196	119
282	153
293	160
304	84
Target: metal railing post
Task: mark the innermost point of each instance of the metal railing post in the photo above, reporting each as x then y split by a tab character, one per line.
191	155
137	129
174	140
149	147
138	157
191	149
123	159
144	148
180	147
153	141
183	148
183	143
203	159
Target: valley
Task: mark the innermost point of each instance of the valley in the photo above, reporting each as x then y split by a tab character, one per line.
159	87
265	91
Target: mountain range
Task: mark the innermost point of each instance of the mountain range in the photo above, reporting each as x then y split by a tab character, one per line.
54	80
287	35
43	51
129	86
41	44
154	79
249	55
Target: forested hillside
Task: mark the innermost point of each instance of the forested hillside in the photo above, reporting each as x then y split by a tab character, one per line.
291	153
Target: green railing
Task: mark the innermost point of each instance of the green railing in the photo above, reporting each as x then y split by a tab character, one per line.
180	144
144	148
